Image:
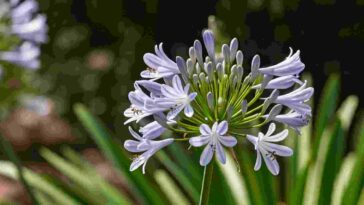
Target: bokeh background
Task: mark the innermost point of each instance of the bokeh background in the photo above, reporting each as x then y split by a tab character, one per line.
95	50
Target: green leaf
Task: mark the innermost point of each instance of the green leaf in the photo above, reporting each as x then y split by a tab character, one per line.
220	192
83	183
326	109
139	183
9	170
190	167
347	110
168	186
296	193
356	181
179	175
342	179
323	172
255	190
234	180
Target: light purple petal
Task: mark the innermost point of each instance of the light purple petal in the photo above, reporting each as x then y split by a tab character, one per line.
214	127
206	155
144	145
137	162
199	141
205	129
271	163
271	129
209	40
192	96
151	86
134	134
188	110
174	112
177	84
181	64
152	130
233	48
148	74
222	128
198	51
131	145
258	162
228	141
252	139
220	153
186	88
279	150
277	137
292	65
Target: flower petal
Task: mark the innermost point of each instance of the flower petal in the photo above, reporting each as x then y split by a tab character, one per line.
220	153
252	139
271	163
205	129
271	129
277	149
209	40
177	84
222	128
188	111
228	141
131	145
199	141
214	127
137	162
258	162
174	112
135	135
277	137
206	155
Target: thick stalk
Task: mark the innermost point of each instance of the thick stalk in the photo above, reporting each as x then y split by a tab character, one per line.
206	183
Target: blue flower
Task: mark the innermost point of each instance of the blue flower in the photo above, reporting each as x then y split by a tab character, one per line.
146	145
159	66
265	147
213	138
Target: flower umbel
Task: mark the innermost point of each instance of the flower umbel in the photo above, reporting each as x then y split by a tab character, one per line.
30	27
212	101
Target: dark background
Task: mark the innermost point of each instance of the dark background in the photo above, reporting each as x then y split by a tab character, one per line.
330	35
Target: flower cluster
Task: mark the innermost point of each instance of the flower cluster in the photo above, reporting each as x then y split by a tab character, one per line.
211	101
30	27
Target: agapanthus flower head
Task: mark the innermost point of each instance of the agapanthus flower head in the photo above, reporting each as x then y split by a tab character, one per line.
31	29
212	101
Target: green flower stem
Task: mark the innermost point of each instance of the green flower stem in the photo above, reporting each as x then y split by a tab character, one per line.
206	183
9	152
181	139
